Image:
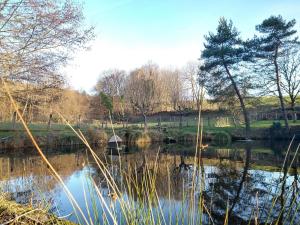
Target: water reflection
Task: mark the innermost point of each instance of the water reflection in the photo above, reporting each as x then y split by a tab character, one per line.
252	182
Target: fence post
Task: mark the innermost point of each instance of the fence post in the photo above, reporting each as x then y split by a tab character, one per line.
79	120
14	117
49	122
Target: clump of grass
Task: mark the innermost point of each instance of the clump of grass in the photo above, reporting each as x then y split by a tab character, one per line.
142	139
138	137
97	137
13	213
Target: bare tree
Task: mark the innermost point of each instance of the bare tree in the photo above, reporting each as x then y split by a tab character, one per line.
190	72
37	37
177	91
141	90
112	83
289	66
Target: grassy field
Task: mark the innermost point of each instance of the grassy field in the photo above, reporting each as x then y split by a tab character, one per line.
189	125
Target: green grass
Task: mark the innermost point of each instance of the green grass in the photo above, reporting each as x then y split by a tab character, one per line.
189	126
268	123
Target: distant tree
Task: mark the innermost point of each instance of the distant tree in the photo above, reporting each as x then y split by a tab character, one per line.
72	105
190	73
141	90
276	35
177	93
289	66
106	101
222	57
112	83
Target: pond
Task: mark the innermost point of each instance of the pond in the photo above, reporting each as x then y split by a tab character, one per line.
244	183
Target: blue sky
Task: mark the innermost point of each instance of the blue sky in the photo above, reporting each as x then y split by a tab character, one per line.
167	32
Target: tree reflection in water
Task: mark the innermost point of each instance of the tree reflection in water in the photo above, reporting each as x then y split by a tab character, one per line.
233	179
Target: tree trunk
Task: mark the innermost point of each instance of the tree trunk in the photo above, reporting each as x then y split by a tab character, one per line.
243	179
245	112
145	123
280	93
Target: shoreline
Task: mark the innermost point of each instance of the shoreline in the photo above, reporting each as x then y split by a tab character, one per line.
97	137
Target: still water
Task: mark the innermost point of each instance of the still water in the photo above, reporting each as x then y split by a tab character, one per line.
253	181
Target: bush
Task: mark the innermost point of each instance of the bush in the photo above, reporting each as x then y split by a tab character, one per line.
97	137
156	136
275	126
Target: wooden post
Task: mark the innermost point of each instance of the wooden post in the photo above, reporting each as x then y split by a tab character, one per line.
14	118
49	122
159	123
79	120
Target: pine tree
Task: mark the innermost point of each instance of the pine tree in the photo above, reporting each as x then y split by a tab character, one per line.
276	35
222	56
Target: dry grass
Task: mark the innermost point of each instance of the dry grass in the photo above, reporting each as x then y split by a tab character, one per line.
13	213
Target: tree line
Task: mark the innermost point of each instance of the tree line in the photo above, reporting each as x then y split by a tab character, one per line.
38	37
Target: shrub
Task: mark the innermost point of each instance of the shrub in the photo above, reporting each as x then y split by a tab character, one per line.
97	137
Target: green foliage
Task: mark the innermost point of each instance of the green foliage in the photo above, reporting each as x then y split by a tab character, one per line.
106	101
223	55
224	52
276	32
276	125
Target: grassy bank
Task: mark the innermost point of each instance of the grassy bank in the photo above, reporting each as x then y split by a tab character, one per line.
14	213
61	134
